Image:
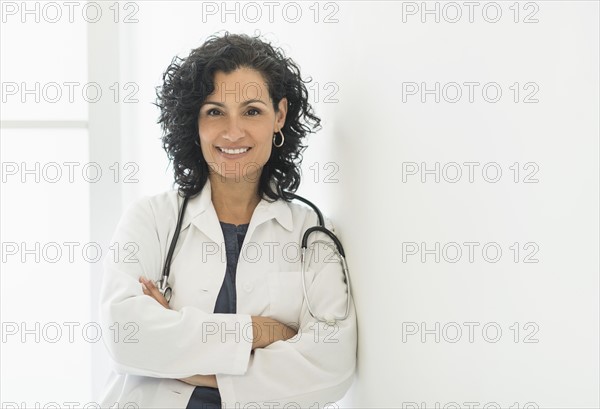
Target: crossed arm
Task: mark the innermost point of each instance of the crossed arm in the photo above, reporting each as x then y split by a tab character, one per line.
265	331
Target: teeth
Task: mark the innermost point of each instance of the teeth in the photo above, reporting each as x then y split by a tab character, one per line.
234	151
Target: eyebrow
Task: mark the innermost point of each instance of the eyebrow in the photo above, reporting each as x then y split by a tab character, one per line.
250	101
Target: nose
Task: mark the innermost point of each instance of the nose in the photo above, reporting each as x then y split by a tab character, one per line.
233	130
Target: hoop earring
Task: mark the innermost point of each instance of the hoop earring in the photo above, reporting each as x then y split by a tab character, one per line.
282	139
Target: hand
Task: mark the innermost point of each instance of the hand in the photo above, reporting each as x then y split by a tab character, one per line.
201	380
266	330
150	289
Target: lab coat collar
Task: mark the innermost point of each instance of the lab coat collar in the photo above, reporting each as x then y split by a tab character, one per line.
201	213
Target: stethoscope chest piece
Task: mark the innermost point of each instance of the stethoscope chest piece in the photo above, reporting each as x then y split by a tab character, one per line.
167	294
165	289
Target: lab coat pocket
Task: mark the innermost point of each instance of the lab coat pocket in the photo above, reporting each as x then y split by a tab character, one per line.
285	288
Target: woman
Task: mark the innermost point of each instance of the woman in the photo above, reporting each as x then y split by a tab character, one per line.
237	331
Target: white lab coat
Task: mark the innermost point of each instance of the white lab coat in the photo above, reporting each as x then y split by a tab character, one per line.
152	346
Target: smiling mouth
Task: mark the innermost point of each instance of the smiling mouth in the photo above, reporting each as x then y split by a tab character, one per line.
233	151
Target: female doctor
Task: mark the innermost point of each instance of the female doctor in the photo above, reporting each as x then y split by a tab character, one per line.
236	331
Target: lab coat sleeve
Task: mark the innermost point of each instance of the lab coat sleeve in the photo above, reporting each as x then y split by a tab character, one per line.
144	338
314	367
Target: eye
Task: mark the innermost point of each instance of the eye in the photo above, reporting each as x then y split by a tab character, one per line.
210	112
257	111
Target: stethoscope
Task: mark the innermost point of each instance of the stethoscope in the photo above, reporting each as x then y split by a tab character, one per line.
165	288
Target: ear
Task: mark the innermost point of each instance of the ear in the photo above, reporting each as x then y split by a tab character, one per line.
281	114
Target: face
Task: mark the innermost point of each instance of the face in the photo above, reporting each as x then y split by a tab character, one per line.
236	124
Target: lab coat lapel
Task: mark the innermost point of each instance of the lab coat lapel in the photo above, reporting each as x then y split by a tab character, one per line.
265	211
203	215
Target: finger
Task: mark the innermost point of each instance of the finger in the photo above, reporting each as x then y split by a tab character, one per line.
152	288
148	285
153	291
145	289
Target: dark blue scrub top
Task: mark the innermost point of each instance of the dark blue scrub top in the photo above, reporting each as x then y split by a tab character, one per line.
204	397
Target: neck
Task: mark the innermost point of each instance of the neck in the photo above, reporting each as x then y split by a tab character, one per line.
234	201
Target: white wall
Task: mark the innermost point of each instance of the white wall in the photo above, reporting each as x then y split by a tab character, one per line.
372	135
45	353
559	214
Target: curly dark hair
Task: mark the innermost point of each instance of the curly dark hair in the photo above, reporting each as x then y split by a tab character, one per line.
187	82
